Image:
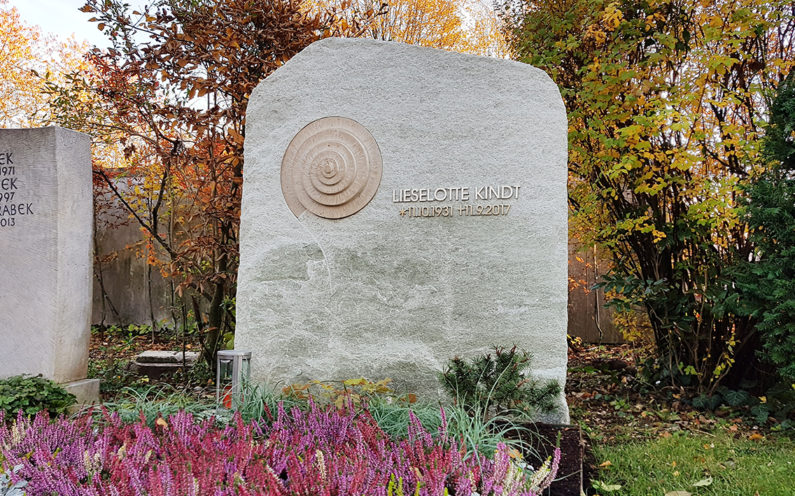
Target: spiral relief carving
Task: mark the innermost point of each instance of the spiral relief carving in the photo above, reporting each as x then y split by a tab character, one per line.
332	168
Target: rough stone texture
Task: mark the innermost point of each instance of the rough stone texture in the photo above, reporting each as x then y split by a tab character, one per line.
164	356
155	364
85	390
45	288
378	294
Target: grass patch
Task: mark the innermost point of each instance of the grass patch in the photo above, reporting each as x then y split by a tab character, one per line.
393	416
701	464
155	402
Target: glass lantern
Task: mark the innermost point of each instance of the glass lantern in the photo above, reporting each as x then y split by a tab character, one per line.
233	369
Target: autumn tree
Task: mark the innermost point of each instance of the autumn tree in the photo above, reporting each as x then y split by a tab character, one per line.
28	59
173	89
30	62
467	26
665	102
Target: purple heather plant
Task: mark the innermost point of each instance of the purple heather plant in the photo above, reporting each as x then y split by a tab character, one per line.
319	452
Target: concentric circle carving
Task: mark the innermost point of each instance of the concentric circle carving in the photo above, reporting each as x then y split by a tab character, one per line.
331	168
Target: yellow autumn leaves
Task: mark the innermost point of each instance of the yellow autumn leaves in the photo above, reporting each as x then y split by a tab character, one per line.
27	60
467	26
609	20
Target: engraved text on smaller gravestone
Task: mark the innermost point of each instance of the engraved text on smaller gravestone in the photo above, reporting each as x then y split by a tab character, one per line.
12	205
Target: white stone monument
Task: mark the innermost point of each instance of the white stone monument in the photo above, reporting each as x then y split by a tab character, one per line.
45	246
401	206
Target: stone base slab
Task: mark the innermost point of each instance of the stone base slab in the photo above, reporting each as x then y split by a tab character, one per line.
161	356
86	391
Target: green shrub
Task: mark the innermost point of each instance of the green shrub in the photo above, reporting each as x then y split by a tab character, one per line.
497	383
767	282
32	394
115	376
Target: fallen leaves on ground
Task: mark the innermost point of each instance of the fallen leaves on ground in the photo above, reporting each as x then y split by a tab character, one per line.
607	396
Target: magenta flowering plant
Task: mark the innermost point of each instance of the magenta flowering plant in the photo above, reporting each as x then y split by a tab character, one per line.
319	452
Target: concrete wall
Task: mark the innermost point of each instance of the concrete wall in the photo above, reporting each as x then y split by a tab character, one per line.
125	274
125	279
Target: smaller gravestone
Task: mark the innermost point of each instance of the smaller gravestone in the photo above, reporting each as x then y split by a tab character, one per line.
45	246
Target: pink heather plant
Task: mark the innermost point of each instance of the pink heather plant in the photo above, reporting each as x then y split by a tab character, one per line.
321	452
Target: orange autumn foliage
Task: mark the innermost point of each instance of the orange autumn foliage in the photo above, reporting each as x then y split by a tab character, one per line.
28	59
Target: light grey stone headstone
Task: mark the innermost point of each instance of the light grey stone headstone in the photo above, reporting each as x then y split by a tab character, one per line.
379	294
45	246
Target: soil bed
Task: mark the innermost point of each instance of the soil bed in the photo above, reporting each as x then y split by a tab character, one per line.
573	448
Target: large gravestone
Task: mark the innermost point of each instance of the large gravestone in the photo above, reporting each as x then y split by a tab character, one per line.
402	206
45	246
